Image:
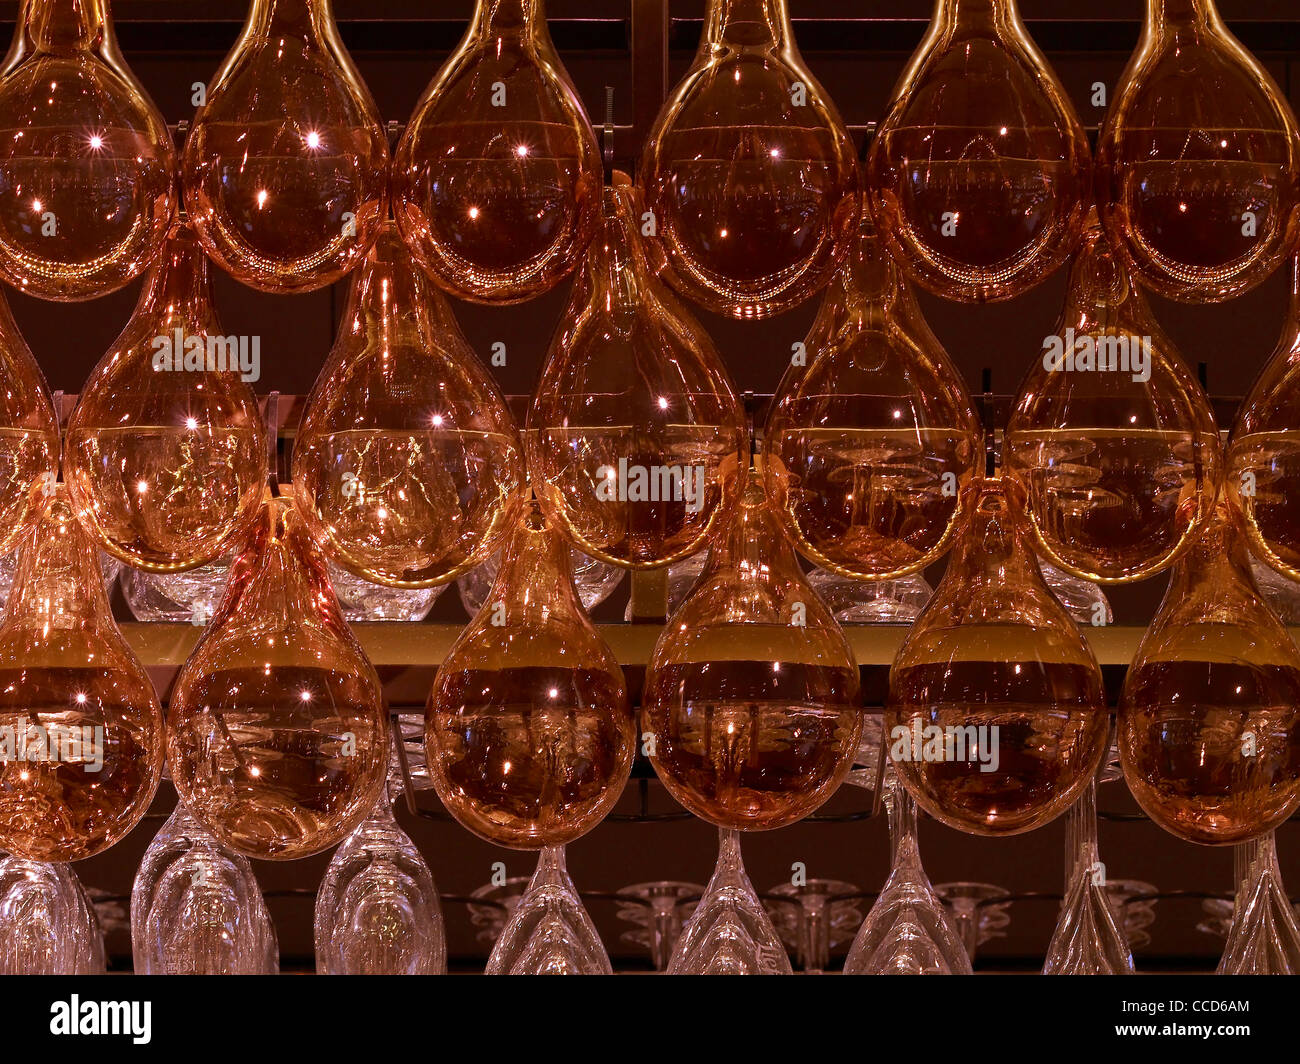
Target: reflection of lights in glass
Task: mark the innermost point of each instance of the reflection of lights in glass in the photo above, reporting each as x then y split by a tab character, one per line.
695	695
316	142
112	183
334	740
155	392
77	692
575	724
437	468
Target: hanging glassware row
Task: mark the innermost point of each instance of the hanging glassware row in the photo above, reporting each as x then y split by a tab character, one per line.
196	908
979	176
409	471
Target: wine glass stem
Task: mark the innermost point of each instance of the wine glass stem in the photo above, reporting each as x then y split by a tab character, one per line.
1163	13
729	849
973	13
902	820
551	859
663	926
967	918
382	813
740	20
1081	847
817	929
1247	859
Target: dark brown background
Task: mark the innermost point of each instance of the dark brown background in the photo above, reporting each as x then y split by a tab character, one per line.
398	45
